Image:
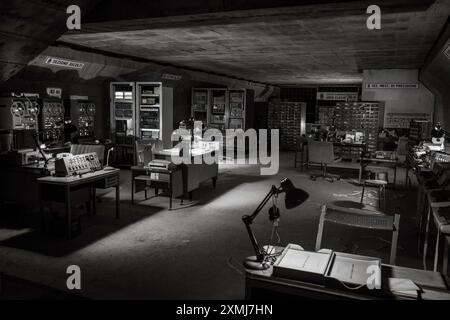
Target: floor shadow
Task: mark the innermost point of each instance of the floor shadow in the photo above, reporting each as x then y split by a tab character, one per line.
93	228
348	204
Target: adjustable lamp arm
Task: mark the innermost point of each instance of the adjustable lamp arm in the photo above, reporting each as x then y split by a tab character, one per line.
248	220
38	146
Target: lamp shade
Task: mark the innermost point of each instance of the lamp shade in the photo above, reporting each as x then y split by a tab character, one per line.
294	197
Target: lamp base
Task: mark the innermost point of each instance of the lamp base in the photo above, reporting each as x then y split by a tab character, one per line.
252	263
108	168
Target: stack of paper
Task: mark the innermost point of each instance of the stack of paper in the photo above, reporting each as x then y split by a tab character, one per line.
403	287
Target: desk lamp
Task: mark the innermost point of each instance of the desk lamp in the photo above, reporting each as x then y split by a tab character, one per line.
38	146
293	198
438	134
107	161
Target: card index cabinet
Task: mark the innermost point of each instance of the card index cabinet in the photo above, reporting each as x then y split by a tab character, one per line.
290	119
366	117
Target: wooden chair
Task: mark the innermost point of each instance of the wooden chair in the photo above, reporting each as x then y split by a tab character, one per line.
300	152
360	218
144	154
380	182
322	153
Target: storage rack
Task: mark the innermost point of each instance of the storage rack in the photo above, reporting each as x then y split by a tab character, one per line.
290	119
200	104
123	120
220	108
237	109
366	117
148	110
154	112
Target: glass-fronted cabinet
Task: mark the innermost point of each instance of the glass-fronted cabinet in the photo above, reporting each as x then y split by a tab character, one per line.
123	122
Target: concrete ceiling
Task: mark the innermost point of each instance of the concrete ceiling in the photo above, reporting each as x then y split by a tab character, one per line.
28	27
320	43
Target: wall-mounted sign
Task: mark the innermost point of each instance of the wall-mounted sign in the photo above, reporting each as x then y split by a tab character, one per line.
54	92
403	120
168	76
337	96
64	63
392	86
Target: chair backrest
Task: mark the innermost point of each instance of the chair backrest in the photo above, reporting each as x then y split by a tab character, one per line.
383	176
144	153
320	152
88	148
402	148
360	218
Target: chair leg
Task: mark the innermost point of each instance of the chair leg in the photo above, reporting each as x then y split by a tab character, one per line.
436	250
295	159
445	262
392	259
380	194
425	244
362	193
320	230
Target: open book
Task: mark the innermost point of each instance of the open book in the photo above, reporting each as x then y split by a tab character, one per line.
297	264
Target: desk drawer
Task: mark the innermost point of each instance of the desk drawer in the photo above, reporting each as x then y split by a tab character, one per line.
108	182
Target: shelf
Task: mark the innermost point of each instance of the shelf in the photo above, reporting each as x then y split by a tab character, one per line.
144	129
149	105
149	95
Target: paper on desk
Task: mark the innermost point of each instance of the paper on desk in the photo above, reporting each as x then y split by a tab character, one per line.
305	261
403	287
352	270
397	284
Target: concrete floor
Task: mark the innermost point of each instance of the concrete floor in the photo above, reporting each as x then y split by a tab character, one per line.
194	251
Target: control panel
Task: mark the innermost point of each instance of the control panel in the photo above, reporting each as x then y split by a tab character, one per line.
77	164
85	112
52	117
19	113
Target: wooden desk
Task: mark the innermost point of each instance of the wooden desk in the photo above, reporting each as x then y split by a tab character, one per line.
197	171
302	148
174	184
58	189
262	285
374	162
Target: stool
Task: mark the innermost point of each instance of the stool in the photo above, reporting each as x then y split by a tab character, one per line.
380	182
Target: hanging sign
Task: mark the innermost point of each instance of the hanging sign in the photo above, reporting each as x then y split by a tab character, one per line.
168	76
392	86
337	96
64	63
